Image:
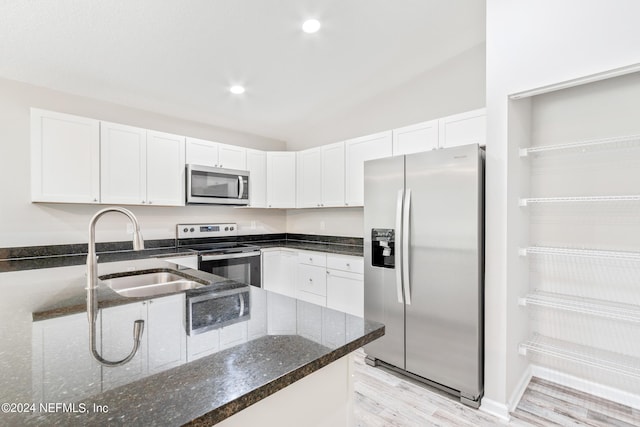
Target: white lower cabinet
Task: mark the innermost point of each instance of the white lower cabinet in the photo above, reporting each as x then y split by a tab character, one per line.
345	292
163	343
279	270
203	344
233	335
331	280
57	345
184	261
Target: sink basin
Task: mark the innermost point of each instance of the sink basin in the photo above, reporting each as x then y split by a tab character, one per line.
149	284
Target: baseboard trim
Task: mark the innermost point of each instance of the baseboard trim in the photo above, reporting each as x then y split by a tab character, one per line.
494	408
586	386
520	389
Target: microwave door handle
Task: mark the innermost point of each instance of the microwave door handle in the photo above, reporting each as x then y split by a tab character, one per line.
241	186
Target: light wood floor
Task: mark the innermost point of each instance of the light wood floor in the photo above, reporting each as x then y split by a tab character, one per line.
385	398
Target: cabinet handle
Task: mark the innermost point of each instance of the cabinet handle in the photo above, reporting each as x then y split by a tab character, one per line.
220	165
143	201
348	265
95	200
328	272
151	302
346	204
150	202
310	259
144	303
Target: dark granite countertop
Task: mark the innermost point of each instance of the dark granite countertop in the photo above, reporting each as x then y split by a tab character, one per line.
50	256
202	391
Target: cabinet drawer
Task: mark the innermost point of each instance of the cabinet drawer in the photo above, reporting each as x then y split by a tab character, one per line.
312	258
349	263
312	279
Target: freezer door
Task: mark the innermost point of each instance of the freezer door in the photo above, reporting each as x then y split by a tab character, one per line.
444	319
383	179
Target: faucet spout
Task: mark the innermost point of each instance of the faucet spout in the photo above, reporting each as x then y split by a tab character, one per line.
92	286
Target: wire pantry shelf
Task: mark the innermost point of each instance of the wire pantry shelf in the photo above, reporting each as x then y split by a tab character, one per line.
620	140
580	253
589	356
579	199
594	307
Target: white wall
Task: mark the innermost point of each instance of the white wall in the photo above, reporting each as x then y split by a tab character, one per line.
23	223
327	221
455	86
529	45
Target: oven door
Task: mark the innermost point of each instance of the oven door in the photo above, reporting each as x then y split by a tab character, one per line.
217	186
243	267
217	309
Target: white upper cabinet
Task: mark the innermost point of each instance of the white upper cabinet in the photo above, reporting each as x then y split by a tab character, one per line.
281	179
65	162
232	157
123	164
321	176
462	129
357	151
215	154
165	169
333	171
201	152
257	167
415	138
309	178
140	166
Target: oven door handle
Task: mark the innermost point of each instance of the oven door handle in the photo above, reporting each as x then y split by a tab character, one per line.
228	256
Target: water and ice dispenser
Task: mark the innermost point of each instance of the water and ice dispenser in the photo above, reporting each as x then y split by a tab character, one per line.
382	247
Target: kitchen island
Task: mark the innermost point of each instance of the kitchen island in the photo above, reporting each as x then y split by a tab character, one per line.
289	366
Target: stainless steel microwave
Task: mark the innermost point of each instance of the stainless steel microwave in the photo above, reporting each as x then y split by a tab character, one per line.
217	186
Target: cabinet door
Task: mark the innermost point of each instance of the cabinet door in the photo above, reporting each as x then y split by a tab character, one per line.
415	138
281	179
345	292
117	342
165	169
462	129
232	157
257	167
201	152
233	335
272	271
123	164
65	162
357	151
60	351
309	178
166	334
279	271
203	344
333	174
311	279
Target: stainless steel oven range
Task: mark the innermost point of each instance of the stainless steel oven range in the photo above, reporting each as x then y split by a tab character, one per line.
219	253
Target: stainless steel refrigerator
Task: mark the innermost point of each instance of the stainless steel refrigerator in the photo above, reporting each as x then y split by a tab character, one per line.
423	247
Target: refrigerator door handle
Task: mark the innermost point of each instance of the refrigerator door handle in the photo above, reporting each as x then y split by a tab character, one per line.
398	245
406	233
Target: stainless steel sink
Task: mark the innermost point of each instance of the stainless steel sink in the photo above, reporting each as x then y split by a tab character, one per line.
149	284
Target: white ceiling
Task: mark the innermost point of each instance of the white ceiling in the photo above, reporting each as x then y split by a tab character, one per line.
178	57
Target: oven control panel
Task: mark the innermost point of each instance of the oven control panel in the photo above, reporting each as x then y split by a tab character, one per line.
206	230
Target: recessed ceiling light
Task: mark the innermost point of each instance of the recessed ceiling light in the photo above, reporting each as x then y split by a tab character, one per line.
311	26
236	89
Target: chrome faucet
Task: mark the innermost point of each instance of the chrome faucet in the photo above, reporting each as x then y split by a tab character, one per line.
92	286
